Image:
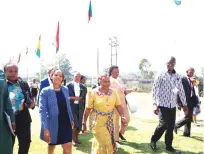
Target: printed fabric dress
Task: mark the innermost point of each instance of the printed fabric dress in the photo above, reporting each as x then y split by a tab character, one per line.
101	120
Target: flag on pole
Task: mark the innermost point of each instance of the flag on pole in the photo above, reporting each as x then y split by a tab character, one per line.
26	50
11	59
56	40
89	12
19	58
38	47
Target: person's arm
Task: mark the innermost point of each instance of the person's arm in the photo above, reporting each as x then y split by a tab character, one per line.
89	107
7	106
181	93
155	90
43	108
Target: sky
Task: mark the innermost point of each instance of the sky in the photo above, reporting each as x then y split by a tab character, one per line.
152	29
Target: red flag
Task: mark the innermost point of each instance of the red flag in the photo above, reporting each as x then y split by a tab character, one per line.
19	58
56	41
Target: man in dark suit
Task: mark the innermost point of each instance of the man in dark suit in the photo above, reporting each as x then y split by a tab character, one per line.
45	82
192	102
76	93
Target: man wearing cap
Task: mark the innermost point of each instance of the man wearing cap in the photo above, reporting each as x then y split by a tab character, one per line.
166	88
192	101
76	94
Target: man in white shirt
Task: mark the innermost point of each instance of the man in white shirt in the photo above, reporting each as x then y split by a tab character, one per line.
165	91
76	93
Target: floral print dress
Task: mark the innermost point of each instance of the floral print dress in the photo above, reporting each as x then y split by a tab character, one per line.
101	120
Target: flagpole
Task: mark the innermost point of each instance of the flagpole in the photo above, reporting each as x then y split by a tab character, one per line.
27	63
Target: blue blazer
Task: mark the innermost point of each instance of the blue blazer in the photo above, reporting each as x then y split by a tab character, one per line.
49	111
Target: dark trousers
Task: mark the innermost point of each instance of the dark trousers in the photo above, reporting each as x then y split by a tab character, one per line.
24	139
167	118
186	122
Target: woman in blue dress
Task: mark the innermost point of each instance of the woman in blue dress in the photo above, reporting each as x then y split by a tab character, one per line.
56	115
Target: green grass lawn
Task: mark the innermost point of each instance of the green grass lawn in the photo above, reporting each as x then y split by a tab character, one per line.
138	137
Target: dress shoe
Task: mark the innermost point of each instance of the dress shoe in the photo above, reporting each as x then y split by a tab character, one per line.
78	142
175	130
122	137
153	145
172	150
186	135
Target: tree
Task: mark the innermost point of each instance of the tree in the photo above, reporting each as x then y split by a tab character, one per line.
144	66
65	67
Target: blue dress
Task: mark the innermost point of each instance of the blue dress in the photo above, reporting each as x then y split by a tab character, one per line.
65	128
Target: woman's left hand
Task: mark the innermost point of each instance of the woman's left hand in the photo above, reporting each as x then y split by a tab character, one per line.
123	120
72	125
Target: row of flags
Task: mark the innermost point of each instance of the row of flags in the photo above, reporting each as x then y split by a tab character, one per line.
55	42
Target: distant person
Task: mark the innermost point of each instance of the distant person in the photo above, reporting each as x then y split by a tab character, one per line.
20	97
45	82
77	92
196	110
192	101
34	90
6	143
117	84
56	115
83	100
166	88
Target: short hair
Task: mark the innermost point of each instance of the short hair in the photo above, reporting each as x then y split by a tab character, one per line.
111	69
53	72
9	65
190	68
82	77
50	69
77	73
171	59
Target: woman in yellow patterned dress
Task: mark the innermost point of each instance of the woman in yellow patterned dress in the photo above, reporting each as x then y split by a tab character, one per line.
101	103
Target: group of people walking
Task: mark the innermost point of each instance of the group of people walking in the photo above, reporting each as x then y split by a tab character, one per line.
64	110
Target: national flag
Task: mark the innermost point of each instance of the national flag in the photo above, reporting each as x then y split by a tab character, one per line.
11	59
26	51
38	47
89	12
56	41
19	58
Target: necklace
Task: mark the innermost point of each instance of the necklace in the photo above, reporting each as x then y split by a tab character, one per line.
57	89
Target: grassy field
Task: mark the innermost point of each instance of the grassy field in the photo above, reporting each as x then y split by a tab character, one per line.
138	134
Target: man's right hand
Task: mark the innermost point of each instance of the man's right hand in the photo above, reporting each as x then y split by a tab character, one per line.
155	109
77	98
185	110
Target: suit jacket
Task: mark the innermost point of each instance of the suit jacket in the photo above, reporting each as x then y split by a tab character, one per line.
83	92
191	101
5	106
49	111
43	83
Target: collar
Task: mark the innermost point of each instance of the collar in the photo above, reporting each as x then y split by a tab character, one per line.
11	83
173	72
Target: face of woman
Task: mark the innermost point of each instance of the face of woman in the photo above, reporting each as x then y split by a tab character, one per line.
115	73
12	73
57	77
105	83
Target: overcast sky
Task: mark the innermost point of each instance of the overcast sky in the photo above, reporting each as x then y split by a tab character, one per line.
152	29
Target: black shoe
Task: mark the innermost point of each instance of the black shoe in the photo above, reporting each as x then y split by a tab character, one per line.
175	130
186	135
171	149
153	145
122	137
